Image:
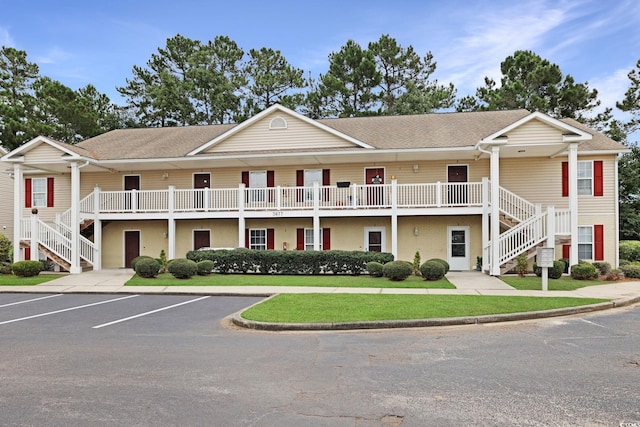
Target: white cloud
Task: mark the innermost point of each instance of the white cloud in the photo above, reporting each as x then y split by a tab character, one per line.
611	89
55	55
5	37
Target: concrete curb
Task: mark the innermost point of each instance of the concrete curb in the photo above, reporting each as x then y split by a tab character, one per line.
422	323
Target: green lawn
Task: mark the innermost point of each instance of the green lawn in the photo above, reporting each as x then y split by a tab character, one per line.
298	308
282	280
11	280
532	283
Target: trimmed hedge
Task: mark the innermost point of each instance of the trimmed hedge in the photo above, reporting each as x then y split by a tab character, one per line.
603	266
205	267
182	268
555	272
432	270
138	258
375	269
630	250
631	271
290	262
584	271
26	268
147	268
444	263
397	270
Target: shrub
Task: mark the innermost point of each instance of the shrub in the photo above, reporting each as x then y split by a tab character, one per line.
603	266
522	265
5	268
624	262
432	270
555	272
374	269
138	258
584	271
182	268
6	249
615	274
444	263
416	263
631	271
397	270
147	268
566	264
26	268
162	260
205	267
630	249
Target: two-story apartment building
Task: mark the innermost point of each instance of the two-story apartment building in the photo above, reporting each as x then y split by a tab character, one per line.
454	185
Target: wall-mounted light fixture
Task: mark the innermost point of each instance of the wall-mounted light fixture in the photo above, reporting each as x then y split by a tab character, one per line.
416	231
416	168
165	176
165	234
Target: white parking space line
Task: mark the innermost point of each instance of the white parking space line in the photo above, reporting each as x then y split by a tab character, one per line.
150	312
66	309
30	300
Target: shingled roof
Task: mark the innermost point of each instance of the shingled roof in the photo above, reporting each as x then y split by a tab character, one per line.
439	130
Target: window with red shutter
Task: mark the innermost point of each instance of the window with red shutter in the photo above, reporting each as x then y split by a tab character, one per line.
565	179
27	193
49	192
598	242
598	180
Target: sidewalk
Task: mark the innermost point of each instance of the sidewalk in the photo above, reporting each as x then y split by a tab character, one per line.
467	283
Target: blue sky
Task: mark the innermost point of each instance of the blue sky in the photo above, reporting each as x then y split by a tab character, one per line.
82	42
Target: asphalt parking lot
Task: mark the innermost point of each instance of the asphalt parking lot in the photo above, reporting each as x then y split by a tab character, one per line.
104	360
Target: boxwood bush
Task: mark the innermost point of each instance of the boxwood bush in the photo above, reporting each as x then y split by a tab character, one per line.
375	269
603	266
555	272
147	267
397	270
205	267
432	270
444	263
5	267
182	268
631	271
630	250
26	268
289	262
138	258
584	271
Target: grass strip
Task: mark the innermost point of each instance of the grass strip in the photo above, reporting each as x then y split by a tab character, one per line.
298	308
534	283
13	280
336	281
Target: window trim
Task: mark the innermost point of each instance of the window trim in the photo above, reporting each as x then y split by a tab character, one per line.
383	238
278	123
44	194
584	243
255	246
591	178
308	246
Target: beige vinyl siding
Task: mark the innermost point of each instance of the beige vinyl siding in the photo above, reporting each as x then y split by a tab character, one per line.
6	207
61	197
297	135
601	204
534	132
152	240
43	153
223	234
609	223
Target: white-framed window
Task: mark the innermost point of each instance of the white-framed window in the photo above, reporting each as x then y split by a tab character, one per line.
39	192
585	242
311	176
257	186
308	239
258	239
278	123
585	178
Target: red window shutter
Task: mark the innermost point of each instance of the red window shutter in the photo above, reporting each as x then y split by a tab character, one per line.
270	239
27	254
246	238
598	183
326	239
598	242
49	192
326	177
245	178
566	251
27	193
565	179
270	179
300	239
299	183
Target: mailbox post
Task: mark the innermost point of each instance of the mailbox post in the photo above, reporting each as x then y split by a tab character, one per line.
544	259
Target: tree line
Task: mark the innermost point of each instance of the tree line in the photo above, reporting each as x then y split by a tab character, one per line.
190	82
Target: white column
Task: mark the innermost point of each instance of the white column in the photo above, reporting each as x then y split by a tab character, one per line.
97	230
35	235
18	204
241	221
495	210
75	219
394	218
485	222
171	224
573	202
316	216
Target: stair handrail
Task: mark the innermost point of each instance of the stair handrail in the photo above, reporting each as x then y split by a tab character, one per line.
54	241
516	206
86	206
522	237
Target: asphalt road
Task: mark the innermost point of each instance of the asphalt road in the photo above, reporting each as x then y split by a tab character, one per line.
172	360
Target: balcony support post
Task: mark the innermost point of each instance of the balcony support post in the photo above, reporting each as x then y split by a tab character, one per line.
394	218
75	219
485	223
241	219
316	217
18	203
171	224
495	210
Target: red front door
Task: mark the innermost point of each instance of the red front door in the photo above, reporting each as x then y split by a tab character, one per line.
131	246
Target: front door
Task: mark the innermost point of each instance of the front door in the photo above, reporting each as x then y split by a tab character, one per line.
131	182
458	248
200	182
374	240
131	246
374	177
201	239
457	177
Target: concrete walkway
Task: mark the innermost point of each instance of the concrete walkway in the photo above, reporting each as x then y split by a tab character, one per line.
467	283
